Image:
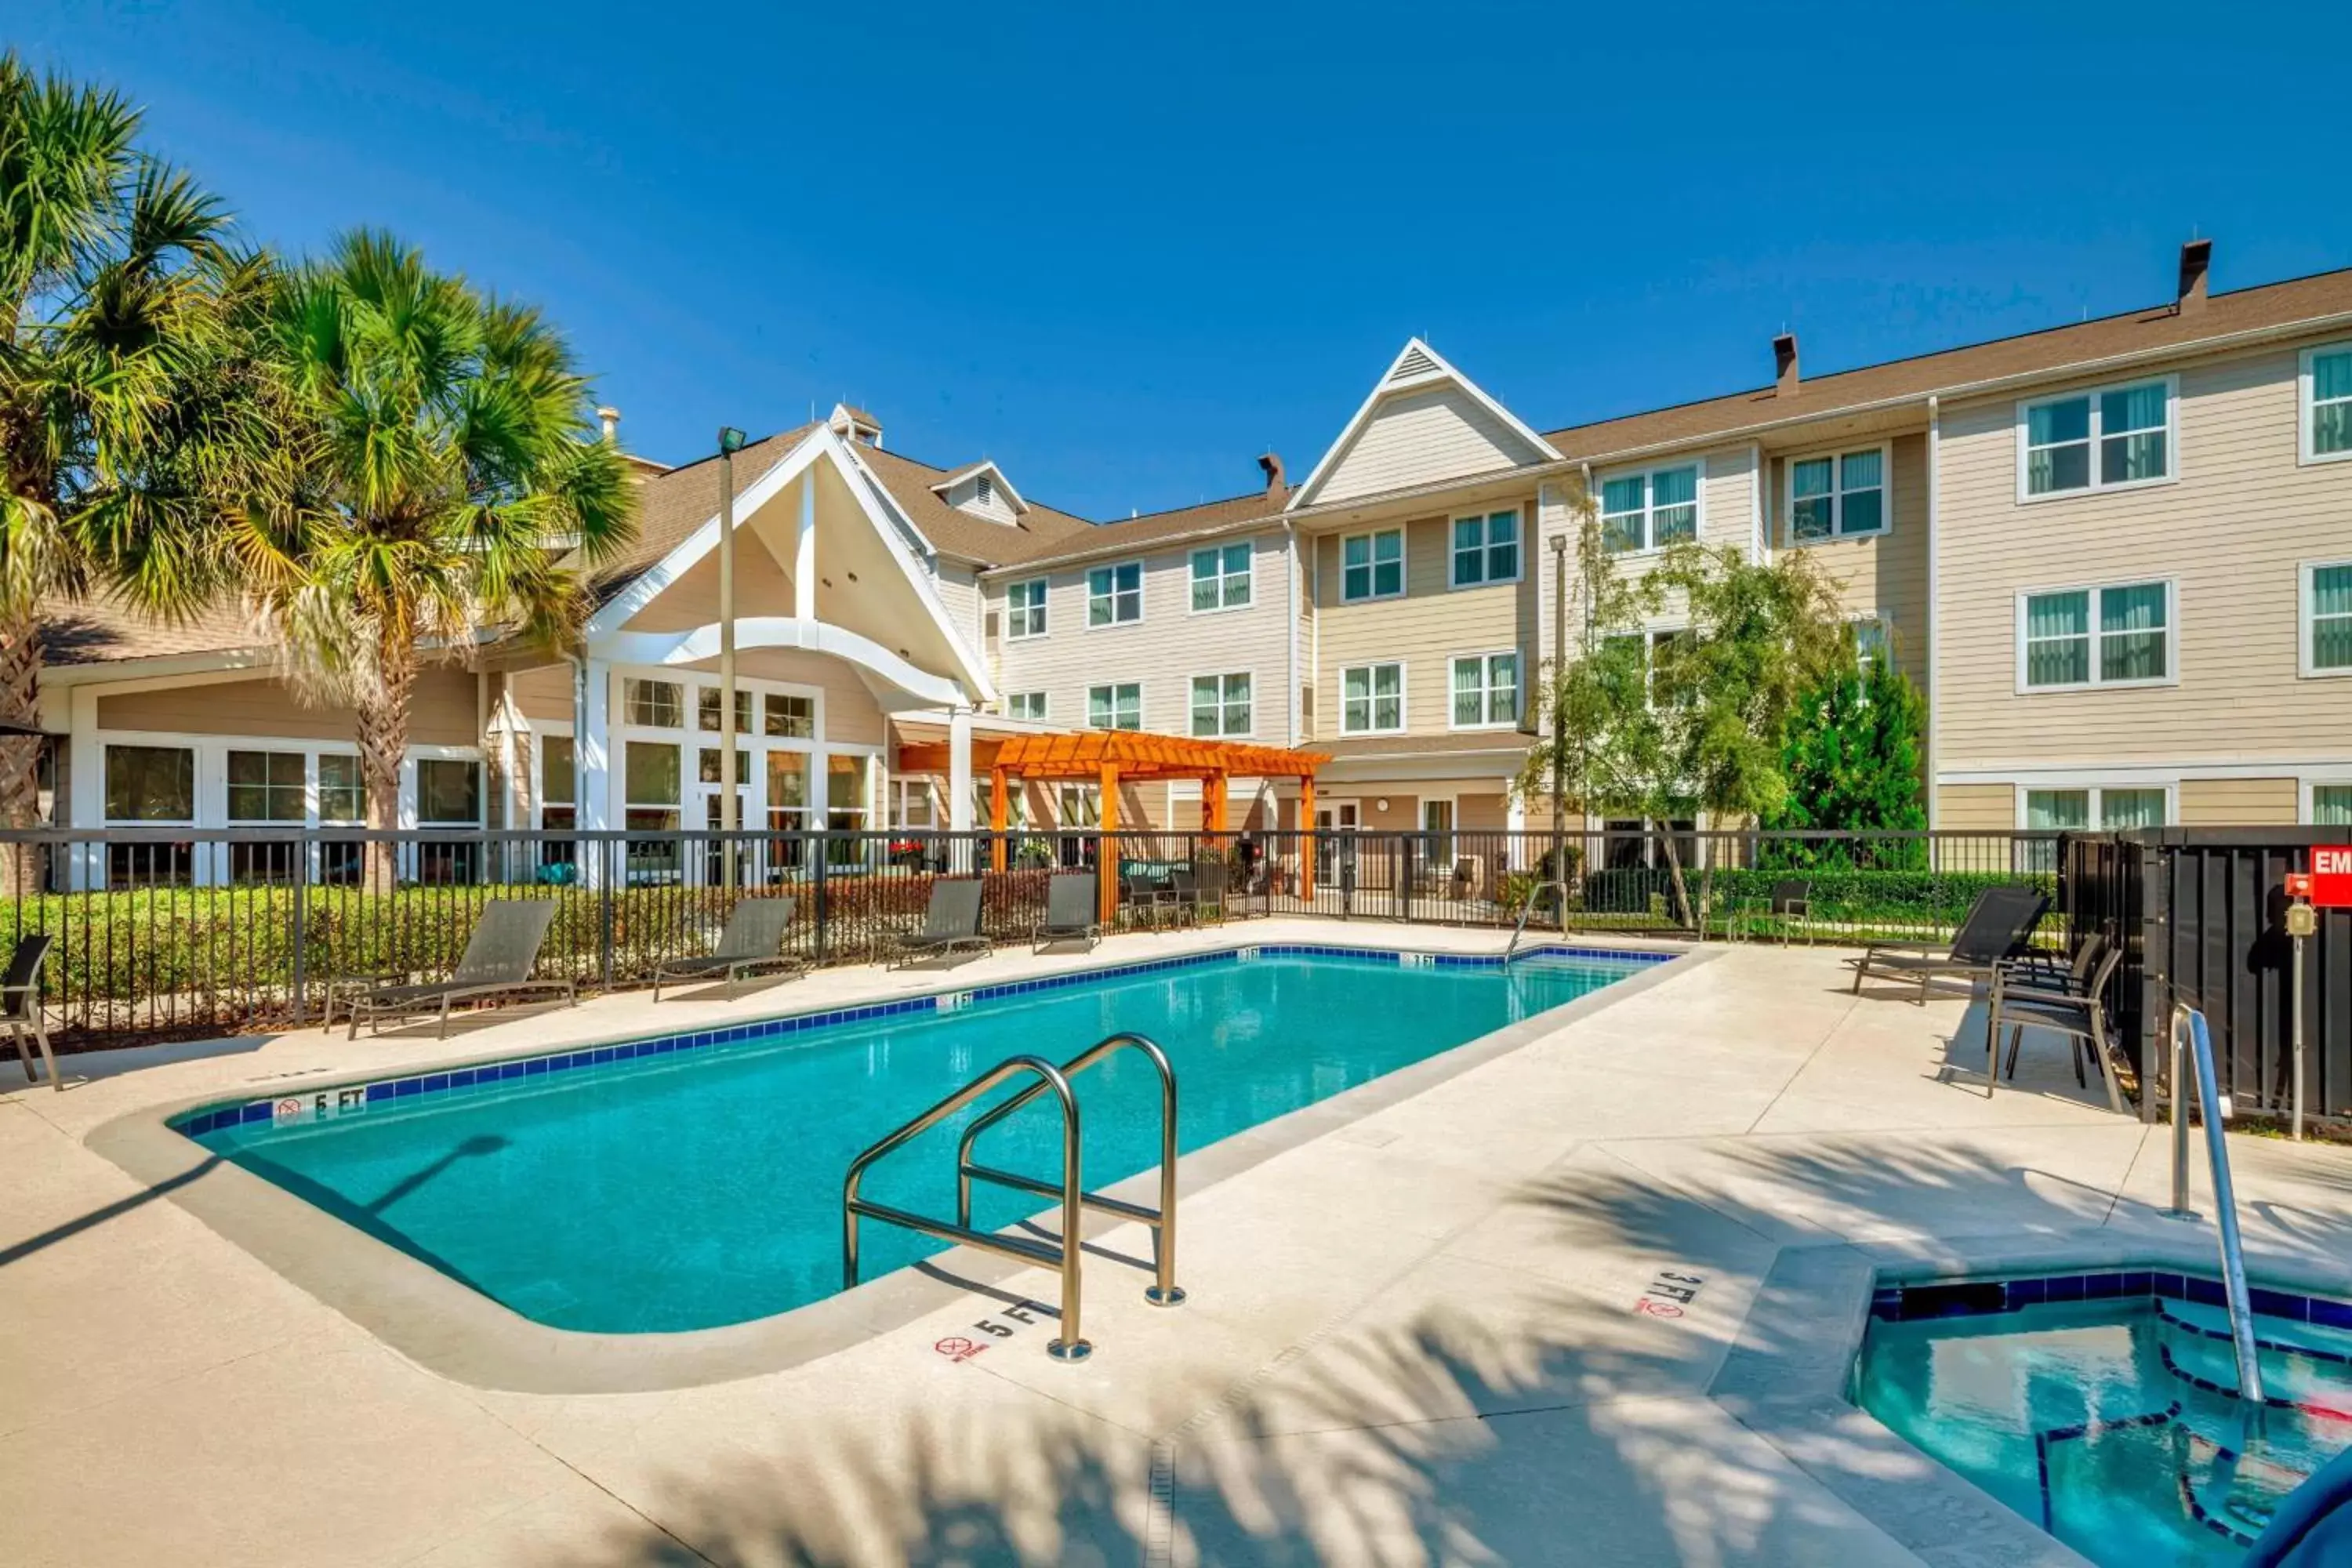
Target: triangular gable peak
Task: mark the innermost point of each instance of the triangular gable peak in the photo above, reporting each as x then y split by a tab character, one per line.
1424	422
983	492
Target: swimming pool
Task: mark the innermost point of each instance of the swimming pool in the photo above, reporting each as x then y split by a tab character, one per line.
693	1181
2103	1406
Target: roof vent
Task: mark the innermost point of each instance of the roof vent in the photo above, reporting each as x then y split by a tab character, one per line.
2195	261
1413	361
610	417
1277	490
1784	365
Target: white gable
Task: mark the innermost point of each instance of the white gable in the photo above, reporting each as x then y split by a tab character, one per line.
1424	422
983	492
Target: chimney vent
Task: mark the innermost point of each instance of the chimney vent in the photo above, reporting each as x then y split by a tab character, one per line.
610	419
2195	261
1276	491
1784	364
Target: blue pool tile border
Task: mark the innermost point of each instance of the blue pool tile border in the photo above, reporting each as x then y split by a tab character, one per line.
308	1105
1924	1300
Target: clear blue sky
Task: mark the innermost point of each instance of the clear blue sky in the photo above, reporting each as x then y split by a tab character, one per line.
1125	248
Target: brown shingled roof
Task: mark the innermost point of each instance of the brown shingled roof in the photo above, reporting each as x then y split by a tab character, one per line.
958	533
102	629
2270	305
1156	526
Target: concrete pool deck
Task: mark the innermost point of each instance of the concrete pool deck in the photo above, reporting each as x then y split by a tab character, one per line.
1416	1336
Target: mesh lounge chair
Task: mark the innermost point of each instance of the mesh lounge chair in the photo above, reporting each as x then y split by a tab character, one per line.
1073	906
1997	928
753	939
951	925
2071	1001
20	1005
497	961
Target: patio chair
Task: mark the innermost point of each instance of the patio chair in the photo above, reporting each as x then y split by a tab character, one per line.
20	1005
1996	926
1142	893
1791	900
1211	879
951	925
2072	1002
752	940
1073	910
497	962
1183	898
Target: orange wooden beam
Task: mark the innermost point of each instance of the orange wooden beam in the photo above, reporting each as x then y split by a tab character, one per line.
1107	846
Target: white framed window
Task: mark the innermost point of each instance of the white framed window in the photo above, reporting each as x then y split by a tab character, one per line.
1025	704
1025	606
1656	650
2081	808
2326	617
1839	495
2326	401
2327	802
1114	595
1486	550
1651	510
2109	437
1372	699
1118	706
448	792
151	784
1486	691
2116	635
654	704
1870	642
706	710
789	717
1221	705
268	788
1221	577
342	789
1372	565
558	789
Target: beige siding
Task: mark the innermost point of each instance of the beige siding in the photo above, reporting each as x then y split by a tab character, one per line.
964	496
443	712
1976	808
1726	508
2230	532
2234	802
544	692
958	588
1423	630
1885	575
1420	437
763	587
1165	650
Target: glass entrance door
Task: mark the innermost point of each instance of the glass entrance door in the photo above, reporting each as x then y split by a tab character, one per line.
1335	840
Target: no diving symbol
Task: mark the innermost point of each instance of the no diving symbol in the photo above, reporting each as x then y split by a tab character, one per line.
955	1347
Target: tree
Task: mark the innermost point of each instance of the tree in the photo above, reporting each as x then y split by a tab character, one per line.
1852	754
454	486
1668	724
133	410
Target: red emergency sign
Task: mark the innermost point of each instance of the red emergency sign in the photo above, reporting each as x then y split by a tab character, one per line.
2331	876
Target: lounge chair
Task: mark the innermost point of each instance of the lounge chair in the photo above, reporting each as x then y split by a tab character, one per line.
1073	910
2073	1003
497	961
753	940
1996	926
20	1005
951	924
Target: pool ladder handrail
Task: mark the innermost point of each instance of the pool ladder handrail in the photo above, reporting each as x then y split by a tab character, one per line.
1066	1257
1164	1291
1528	909
2189	1024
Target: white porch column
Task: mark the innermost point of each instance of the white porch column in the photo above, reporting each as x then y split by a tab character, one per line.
593	775
959	783
804	551
86	790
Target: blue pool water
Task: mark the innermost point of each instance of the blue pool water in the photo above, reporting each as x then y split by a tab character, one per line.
696	1188
2115	1423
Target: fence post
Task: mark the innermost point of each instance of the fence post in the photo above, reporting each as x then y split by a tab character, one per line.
2155	966
1404	876
301	929
605	912
822	849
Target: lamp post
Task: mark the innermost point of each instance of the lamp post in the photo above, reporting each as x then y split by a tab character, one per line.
730	441
1559	726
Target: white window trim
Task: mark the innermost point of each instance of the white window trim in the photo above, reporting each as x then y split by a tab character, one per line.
1404	562
1885	451
2306	808
1220	675
1248	575
1044	706
2305	407
1649	502
1518	516
1142	697
2095	785
1043	607
2172	475
1482	654
2303	574
1405	697
1142	581
2171	675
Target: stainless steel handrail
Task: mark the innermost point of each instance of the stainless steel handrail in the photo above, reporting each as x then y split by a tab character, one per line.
1165	1291
1072	1345
2188	1022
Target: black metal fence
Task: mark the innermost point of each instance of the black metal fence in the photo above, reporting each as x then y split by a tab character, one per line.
162	932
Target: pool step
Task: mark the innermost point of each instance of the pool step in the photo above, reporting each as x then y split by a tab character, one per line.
2306	1367
2222	1481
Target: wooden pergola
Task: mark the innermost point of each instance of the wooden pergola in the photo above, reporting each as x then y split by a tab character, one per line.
1109	758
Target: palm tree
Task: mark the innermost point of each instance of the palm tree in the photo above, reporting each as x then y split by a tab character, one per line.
457	488
131	420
